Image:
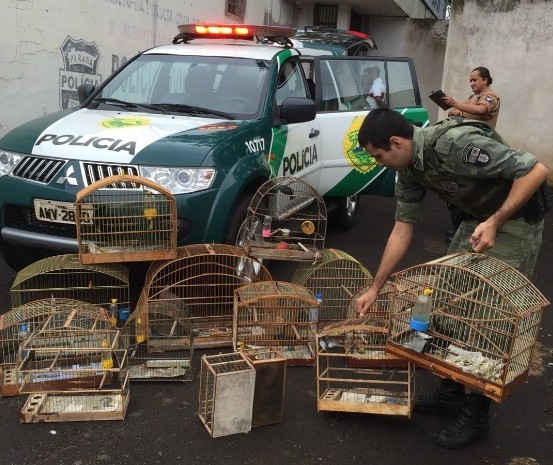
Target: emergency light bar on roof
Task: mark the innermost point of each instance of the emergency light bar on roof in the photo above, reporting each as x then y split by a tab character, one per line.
233	31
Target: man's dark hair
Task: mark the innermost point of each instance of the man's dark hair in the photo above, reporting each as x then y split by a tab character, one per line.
381	124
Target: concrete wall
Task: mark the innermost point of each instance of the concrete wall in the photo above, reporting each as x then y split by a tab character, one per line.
424	40
514	39
51	46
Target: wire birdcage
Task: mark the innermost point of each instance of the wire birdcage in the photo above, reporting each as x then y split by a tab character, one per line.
484	322
381	309
277	314
63	276
286	220
18	324
336	276
354	374
227	387
159	338
125	218
201	280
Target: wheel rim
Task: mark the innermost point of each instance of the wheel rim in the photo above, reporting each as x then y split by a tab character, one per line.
351	205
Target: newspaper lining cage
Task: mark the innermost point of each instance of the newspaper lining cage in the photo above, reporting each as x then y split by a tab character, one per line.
354	374
125	218
227	386
336	276
277	314
63	276
201	280
286	220
18	324
484	324
158	336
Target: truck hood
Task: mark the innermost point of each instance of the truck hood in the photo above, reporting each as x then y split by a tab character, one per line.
120	137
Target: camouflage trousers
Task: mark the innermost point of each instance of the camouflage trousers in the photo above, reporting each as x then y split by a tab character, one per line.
517	243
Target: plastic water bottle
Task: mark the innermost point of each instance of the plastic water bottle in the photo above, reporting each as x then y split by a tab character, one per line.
314	313
420	313
266	230
113	312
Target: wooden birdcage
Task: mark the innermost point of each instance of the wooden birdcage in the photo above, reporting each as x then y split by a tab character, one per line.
227	386
63	276
270	382
286	220
201	280
336	276
354	374
382	307
125	218
484	323
19	323
277	314
158	336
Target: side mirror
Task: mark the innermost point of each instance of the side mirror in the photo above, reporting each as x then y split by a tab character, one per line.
84	91
297	110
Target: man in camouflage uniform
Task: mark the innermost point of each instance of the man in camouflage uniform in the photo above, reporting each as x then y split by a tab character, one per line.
501	194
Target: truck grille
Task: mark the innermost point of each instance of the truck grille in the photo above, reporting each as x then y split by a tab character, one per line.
24	219
96	171
37	168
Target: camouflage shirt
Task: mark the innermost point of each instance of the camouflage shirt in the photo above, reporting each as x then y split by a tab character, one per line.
466	165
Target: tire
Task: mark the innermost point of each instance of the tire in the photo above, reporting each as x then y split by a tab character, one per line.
346	211
18	257
237	219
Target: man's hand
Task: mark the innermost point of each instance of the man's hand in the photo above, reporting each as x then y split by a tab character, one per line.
483	237
366	300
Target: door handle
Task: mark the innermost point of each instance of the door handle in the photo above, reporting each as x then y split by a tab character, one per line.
314	133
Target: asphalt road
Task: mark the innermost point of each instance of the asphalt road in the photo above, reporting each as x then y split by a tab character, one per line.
162	425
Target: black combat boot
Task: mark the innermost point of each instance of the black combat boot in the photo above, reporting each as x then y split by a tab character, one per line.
448	398
472	424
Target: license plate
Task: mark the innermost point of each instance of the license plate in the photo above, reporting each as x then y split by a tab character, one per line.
60	212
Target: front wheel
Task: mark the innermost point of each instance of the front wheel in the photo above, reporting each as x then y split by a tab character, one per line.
346	211
237	219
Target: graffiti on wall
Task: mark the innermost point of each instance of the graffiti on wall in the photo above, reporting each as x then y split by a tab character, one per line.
80	61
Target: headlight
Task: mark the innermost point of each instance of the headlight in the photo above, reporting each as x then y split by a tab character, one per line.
179	180
7	161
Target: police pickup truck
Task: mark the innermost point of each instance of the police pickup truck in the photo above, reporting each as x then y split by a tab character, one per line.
210	120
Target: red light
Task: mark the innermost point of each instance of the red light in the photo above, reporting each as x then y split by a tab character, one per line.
213	29
242	30
201	29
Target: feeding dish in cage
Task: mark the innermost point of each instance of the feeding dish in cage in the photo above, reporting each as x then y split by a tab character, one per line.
336	275
277	314
354	374
286	220
484	324
125	218
63	276
201	280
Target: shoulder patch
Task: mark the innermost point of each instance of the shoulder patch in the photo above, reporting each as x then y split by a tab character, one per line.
489	99
475	155
449	186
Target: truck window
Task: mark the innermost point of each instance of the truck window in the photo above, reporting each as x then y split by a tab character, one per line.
400	85
290	82
341	89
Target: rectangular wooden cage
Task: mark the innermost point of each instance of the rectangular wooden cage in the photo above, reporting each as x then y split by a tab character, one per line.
354	373
484	323
125	218
286	220
201	280
227	386
277	314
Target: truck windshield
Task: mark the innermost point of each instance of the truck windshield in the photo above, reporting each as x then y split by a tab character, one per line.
173	83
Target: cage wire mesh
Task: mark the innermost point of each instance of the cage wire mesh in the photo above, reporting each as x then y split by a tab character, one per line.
286	220
354	374
484	323
227	387
125	218
336	276
201	280
63	276
159	338
381	309
19	323
277	314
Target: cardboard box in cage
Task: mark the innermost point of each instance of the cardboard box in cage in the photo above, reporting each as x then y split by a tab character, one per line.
484	324
227	386
270	381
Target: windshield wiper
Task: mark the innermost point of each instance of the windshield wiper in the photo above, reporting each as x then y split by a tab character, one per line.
194	110
129	105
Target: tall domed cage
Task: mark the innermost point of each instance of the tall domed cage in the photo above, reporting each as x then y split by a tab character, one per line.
19	323
202	280
286	220
277	314
485	319
336	276
125	218
354	374
159	338
63	276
